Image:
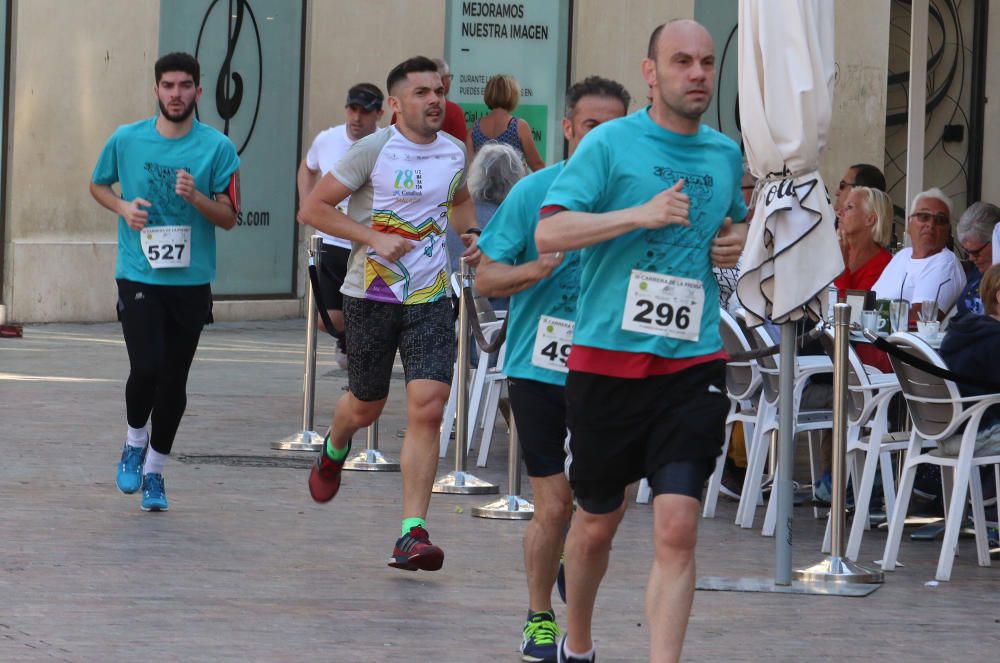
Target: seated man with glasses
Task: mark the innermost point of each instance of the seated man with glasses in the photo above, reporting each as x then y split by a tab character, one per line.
925	271
975	235
860	174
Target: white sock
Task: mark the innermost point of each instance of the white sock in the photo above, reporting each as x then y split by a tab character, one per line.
137	437
154	462
587	655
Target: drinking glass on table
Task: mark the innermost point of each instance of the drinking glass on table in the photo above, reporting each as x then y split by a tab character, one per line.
899	315
872	321
928	310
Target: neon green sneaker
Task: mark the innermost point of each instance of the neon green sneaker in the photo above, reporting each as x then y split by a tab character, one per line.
541	637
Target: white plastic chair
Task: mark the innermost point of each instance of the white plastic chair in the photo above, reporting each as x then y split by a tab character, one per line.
868	397
490	324
938	411
743	388
767	422
480	375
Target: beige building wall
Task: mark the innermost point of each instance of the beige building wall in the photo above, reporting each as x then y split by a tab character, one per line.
74	78
861	51
610	39
60	245
353	42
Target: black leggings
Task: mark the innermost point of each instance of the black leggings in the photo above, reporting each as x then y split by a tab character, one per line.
162	325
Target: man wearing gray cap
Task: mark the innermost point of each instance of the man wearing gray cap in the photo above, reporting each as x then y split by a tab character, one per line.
362	112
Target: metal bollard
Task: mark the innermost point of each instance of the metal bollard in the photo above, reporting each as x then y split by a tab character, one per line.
370	459
511	506
460	481
836	567
307	439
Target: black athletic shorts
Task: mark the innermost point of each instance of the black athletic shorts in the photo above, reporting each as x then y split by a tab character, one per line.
424	334
540	416
623	429
332	270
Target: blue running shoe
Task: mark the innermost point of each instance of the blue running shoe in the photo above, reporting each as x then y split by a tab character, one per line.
154	493
129	476
541	637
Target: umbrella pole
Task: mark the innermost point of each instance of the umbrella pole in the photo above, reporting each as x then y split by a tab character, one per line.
786	457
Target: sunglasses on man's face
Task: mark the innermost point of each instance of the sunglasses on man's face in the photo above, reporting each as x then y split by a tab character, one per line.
937	218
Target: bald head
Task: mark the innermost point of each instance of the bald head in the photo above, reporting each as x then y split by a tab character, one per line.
670	29
680	72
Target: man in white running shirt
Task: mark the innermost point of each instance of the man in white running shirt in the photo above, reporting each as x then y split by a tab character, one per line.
362	112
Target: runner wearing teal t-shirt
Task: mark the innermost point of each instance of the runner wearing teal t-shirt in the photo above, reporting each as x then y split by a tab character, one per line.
541	316
650	201
178	181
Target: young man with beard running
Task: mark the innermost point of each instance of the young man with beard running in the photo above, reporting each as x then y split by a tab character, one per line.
407	184
542	313
650	200
363	111
178	180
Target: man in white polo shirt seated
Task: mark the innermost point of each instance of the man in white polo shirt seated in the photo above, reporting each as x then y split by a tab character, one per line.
926	270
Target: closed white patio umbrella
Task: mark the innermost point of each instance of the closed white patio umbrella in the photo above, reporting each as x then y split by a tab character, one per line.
786	76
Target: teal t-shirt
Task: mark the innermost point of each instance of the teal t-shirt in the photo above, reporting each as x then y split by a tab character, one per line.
624	163
144	164
510	238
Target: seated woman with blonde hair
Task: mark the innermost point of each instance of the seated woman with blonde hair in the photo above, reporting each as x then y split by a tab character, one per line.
865	228
500	126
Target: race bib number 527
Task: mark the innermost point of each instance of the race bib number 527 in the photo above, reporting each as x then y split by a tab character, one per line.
663	305
166	246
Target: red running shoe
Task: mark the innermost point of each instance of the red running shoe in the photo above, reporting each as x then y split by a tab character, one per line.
324	477
415	551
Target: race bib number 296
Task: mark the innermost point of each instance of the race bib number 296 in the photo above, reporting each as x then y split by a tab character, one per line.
663	305
166	246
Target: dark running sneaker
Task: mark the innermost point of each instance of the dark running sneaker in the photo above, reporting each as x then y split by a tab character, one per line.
324	477
541	637
561	578
414	551
731	486
564	658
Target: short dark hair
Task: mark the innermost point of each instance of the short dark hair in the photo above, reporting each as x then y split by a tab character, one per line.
414	65
653	39
598	87
868	175
177	61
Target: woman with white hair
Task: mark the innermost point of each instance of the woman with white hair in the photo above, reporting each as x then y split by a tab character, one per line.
975	241
492	174
925	271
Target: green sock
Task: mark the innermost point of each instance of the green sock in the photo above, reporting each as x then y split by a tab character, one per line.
332	452
411	522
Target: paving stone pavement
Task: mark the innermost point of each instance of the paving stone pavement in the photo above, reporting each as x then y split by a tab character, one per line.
245	567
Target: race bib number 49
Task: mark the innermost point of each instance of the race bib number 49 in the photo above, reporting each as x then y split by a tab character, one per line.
166	246
552	344
664	305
